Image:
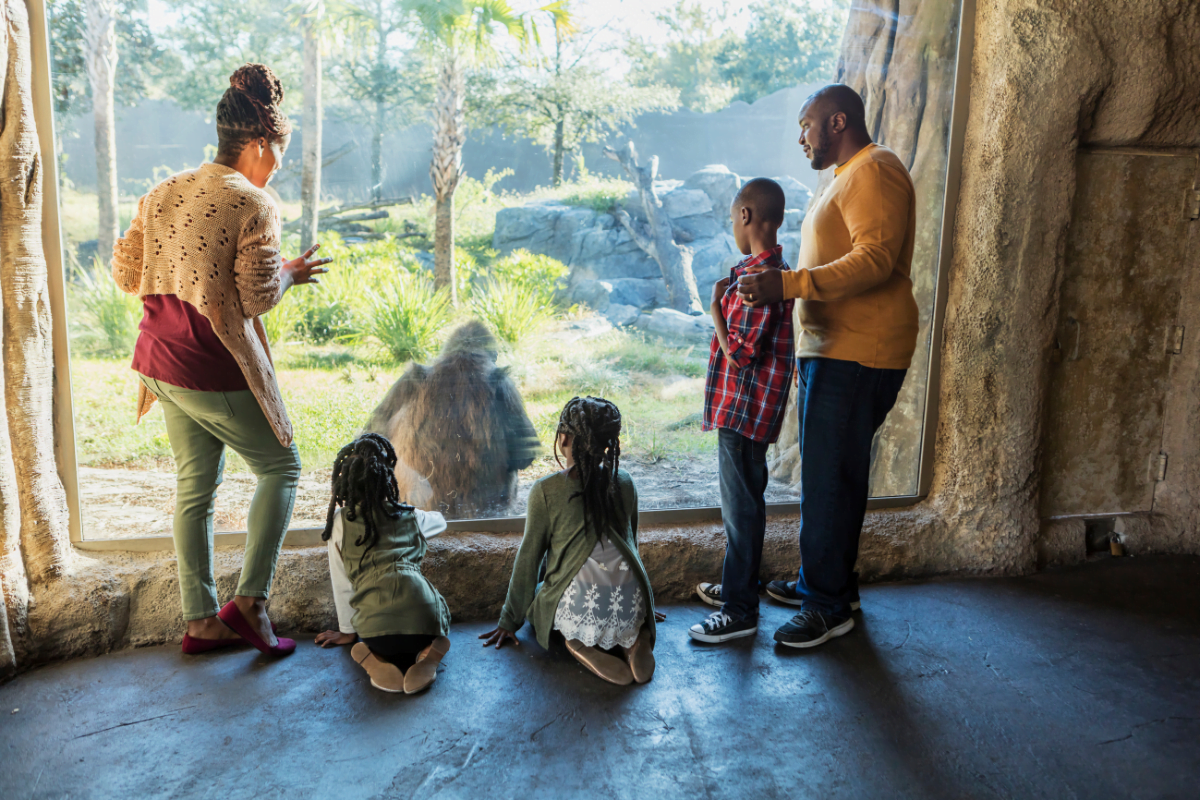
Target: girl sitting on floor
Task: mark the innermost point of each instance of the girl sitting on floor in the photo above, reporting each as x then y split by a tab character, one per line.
376	544
581	527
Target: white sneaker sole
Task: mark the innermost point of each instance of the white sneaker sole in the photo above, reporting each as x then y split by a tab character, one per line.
716	638
791	601
832	633
706	599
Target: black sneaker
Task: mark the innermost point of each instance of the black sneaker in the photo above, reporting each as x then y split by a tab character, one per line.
710	593
785	592
720	627
811	628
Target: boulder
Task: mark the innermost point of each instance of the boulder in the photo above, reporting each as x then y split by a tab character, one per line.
791	248
619	315
636	292
720	185
689	229
798	195
683	202
675	327
711	261
595	294
793	219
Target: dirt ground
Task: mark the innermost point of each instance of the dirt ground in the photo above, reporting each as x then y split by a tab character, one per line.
128	503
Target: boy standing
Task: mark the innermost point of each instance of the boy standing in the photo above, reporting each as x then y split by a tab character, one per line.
750	369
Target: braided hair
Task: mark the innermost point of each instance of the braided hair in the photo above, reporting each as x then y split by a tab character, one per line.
594	425
364	482
250	110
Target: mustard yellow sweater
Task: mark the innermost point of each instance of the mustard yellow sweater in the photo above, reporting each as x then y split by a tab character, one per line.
853	276
211	238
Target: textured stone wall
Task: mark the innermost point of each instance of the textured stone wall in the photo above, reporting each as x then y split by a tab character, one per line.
1048	76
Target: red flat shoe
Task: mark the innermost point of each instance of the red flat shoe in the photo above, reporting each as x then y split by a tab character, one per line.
193	645
231	615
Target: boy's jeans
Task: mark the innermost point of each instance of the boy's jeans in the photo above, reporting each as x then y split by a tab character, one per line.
843	404
742	467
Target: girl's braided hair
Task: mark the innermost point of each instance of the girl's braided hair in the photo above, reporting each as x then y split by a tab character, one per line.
364	483
250	110
594	425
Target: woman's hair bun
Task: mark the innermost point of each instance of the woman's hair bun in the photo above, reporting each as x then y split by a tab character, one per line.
250	106
259	83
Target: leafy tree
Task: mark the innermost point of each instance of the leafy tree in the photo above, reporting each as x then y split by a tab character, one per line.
460	35
784	46
561	102
690	58
379	82
215	37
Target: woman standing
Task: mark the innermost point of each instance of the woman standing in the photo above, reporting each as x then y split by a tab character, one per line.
203	256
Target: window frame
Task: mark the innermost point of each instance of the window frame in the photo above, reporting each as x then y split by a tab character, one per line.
64	420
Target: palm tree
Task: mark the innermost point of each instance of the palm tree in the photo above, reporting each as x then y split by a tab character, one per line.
310	122
463	35
100	40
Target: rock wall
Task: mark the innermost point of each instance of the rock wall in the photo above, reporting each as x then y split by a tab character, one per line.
610	273
1048	76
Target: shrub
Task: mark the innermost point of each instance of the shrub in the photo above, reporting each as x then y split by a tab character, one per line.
110	317
598	194
546	277
405	317
511	310
282	321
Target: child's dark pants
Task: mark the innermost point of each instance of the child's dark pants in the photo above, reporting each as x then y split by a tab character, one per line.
742	467
400	649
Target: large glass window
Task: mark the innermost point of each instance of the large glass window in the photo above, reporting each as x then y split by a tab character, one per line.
549	231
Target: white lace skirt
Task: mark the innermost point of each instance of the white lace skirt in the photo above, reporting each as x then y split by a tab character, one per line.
603	606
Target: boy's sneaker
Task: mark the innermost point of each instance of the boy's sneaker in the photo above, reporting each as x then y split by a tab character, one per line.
720	627
710	593
785	592
810	628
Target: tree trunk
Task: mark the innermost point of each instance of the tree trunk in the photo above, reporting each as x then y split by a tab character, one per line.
558	153
449	136
899	55
311	121
26	335
658	242
100	39
377	122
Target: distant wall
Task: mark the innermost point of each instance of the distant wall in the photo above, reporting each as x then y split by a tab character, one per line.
157	133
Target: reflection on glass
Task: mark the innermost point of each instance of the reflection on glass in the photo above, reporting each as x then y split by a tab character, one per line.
557	292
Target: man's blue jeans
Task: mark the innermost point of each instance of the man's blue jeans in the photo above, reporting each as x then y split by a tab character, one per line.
742	467
843	404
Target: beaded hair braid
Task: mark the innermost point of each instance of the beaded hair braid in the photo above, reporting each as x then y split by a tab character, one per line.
594	425
364	482
249	109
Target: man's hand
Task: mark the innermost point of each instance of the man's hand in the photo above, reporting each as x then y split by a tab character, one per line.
335	639
761	286
498	637
719	289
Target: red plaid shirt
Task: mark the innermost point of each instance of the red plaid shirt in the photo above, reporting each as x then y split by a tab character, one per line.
746	393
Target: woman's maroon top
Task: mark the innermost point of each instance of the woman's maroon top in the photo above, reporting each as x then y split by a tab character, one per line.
178	346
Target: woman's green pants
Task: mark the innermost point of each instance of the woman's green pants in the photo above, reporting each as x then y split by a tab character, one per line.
200	425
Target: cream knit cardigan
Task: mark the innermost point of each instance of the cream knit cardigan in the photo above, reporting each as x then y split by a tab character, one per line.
211	238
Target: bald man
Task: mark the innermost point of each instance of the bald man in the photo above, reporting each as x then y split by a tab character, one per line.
858	324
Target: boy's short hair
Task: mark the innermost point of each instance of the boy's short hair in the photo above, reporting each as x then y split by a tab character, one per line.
765	198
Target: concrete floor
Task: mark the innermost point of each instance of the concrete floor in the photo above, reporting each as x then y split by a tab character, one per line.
1081	683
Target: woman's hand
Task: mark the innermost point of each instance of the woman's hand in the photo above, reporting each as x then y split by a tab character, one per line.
498	637
335	639
660	616
302	270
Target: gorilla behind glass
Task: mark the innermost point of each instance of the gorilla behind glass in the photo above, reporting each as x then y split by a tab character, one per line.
459	428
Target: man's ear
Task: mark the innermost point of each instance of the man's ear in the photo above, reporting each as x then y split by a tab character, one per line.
837	122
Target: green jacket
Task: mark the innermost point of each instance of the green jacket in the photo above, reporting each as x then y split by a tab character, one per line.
391	596
555	532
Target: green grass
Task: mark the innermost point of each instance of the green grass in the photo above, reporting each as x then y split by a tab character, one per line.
331	390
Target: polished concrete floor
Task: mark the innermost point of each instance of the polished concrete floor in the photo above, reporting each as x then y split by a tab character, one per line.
1082	683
